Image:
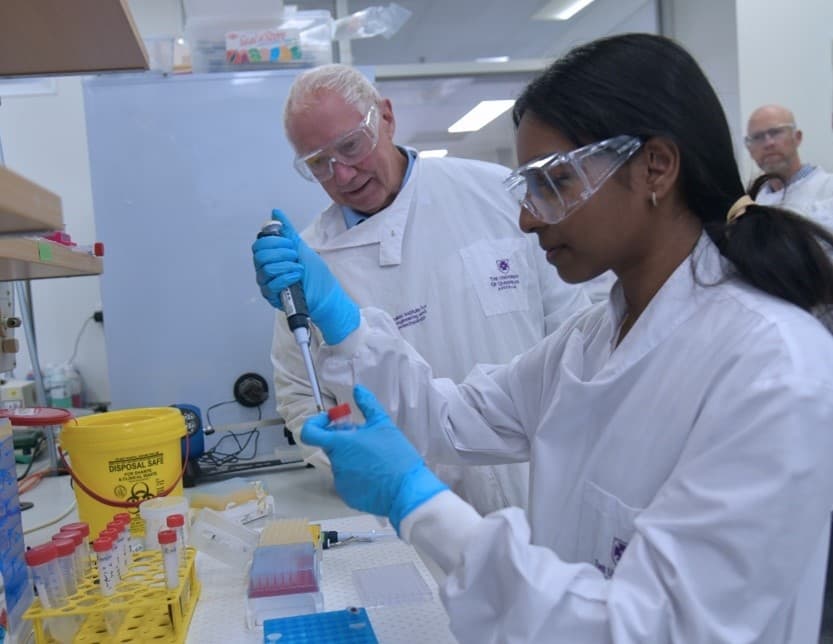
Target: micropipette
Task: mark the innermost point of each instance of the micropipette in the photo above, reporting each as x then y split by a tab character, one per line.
297	318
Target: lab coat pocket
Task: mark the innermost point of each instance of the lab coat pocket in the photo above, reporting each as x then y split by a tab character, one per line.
499	272
605	528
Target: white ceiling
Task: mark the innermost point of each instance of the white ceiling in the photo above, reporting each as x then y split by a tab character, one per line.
460	31
450	34
463	30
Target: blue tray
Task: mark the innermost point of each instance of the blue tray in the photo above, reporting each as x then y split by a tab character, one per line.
350	626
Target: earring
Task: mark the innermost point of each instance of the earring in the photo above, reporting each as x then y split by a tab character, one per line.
654	199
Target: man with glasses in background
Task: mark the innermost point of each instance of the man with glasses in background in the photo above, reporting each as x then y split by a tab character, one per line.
772	140
432	241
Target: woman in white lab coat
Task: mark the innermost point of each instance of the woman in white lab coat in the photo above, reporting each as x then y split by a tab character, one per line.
679	434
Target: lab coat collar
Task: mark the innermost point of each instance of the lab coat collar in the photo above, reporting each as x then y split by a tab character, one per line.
683	293
386	227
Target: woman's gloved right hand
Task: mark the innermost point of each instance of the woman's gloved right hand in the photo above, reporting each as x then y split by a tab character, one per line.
281	261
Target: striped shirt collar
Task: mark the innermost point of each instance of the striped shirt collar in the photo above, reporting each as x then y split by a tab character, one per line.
803	172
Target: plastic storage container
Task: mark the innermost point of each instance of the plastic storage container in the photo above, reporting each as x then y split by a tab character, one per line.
155	513
306	35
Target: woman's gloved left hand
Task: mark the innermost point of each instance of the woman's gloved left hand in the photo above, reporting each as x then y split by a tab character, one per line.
375	468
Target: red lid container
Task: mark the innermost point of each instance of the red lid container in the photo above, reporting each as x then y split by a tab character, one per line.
64	546
74	535
166	537
175	520
78	526
41	554
38	416
102	544
338	412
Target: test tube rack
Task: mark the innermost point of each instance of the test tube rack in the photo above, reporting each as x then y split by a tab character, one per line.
148	611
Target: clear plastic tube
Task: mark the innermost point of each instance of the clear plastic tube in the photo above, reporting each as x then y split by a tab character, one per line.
108	578
46	575
123	546
167	543
113	535
78	558
84	530
105	554
66	561
125	519
176	522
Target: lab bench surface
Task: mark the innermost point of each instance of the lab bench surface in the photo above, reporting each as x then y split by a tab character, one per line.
220	613
298	493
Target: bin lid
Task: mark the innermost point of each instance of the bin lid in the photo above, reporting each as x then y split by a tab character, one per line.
36	416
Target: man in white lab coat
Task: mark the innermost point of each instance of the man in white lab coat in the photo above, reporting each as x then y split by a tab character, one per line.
433	242
773	139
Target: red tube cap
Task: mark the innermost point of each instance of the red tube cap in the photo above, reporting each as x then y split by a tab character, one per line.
41	554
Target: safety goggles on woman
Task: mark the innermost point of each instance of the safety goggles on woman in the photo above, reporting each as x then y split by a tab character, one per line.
350	148
552	187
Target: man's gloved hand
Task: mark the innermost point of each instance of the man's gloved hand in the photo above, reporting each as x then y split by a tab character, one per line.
281	261
376	469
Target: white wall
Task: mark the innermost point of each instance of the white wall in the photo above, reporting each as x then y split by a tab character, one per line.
708	30
784	51
754	52
45	139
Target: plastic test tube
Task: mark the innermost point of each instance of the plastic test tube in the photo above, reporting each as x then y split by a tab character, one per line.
122	544
105	554
176	522
78	558
77	571
84	530
124	519
43	562
113	535
65	546
341	417
167	542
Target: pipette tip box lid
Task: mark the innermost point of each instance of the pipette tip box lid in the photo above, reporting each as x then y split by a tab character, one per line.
348	626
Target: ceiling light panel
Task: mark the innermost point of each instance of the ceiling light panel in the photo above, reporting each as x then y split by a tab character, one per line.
482	114
560	9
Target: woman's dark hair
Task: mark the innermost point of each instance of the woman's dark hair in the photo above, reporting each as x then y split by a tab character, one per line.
648	86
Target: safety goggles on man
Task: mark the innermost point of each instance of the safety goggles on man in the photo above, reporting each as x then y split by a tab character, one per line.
552	187
350	149
777	134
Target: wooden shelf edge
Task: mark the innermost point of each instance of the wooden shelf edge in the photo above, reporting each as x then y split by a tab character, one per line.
25	207
27	259
78	37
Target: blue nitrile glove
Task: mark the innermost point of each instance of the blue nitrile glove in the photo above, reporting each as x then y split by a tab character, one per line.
375	468
282	261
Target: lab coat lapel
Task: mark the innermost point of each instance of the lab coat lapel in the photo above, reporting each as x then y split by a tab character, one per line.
675	302
386	228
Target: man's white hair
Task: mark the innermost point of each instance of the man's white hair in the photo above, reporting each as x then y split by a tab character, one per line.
345	81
